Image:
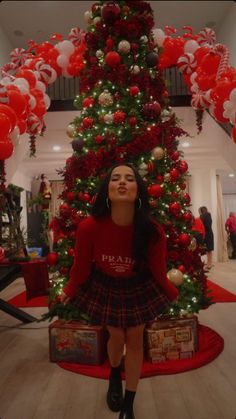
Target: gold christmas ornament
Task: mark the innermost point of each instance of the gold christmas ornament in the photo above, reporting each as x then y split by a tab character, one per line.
193	244
71	130
108	118
144	39
105	98
124	46
99	53
175	276
158	153
96	20
166	177
135	69
88	17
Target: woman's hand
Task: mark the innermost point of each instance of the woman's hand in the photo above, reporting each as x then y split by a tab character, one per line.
64	298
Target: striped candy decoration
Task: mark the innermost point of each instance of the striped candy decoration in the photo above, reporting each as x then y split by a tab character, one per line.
223	51
19	56
186	63
76	36
34	124
206	36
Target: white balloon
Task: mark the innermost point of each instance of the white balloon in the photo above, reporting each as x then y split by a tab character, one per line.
65	48
47	100
62	61
191	46
40	86
53	76
15	135
32	102
158	36
22	84
5	81
66	74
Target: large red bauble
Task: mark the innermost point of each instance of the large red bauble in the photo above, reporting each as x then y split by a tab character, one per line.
175	208
88	101
175	155
71	251
151	110
187	198
87	122
155	191
110	12
184	240
187	216
52	258
174	174
182	166
70	196
112	59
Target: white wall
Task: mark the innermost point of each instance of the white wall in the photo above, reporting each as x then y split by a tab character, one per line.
5	48
227	33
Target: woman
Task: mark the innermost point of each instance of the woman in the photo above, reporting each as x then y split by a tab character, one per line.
209	237
119	276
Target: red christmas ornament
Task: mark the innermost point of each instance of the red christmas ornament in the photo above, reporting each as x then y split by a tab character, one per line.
64	207
71	252
109	43
112	59
134	90
182	166
175	155
182	186
187	198
87	122
64	270
184	240
175	208
52	258
132	121
155	191
110	12
88	101
182	269
160	178
150	167
99	139
174	175
151	110
187	216
119	117
70	196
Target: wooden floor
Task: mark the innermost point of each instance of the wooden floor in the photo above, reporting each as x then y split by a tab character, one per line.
33	388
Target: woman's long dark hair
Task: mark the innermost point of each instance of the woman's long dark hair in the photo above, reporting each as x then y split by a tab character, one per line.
144	228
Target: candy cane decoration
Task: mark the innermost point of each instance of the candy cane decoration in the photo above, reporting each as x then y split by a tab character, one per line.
223	51
206	36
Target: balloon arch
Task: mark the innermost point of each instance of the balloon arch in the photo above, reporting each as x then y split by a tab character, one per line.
23	81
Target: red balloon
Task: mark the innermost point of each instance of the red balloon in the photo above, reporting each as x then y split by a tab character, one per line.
28	75
210	63
6	148
200	53
17	101
5	109
21	125
5	125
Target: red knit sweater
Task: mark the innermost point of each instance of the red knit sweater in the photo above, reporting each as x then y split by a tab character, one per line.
109	246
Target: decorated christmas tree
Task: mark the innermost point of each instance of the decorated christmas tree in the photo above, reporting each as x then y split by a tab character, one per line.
124	116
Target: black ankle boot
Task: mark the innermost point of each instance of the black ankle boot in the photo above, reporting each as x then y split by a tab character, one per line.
126	415
115	394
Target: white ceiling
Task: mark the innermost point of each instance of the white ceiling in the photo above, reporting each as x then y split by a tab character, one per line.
38	20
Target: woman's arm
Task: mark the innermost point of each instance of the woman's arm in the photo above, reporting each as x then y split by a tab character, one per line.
83	259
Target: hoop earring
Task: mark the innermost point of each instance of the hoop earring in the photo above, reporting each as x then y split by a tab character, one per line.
107	202
139	203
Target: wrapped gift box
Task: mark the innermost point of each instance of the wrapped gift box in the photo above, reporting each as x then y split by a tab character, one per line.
171	339
77	342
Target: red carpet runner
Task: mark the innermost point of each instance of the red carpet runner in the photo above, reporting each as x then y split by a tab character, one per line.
211	345
21	301
219	294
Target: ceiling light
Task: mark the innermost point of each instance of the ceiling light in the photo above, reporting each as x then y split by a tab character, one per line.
185	144
231	175
56	148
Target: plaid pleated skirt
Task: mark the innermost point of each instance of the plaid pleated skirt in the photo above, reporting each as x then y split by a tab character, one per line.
121	302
